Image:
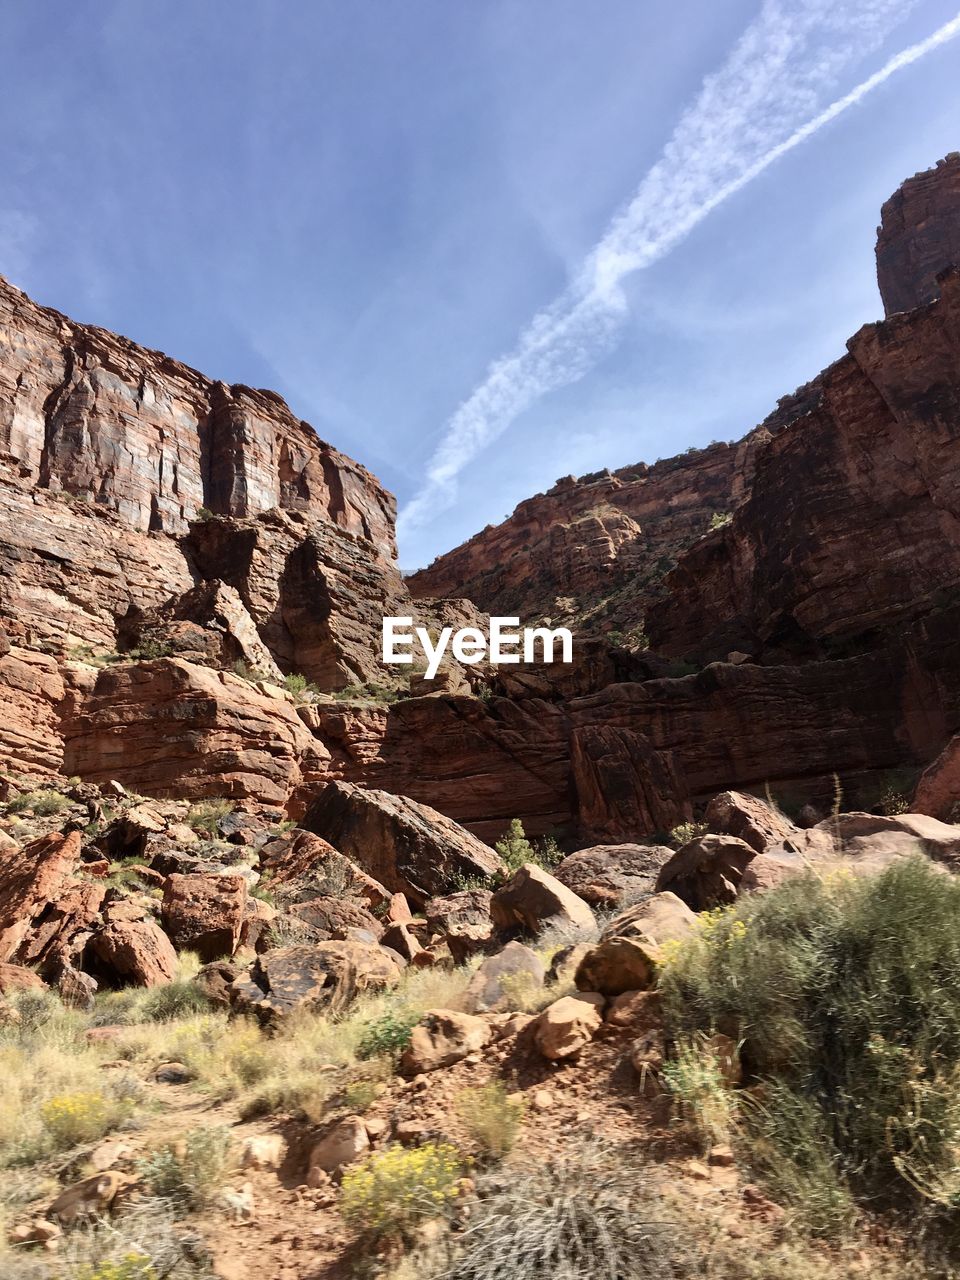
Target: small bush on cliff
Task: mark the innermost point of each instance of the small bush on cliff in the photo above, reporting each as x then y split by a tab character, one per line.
515	849
44	803
205	816
686	831
846	995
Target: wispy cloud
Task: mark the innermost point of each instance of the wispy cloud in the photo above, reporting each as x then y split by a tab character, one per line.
764	101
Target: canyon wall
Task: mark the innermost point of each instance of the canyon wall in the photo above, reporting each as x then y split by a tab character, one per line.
767	615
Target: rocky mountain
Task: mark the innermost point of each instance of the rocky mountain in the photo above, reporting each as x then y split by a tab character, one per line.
769	614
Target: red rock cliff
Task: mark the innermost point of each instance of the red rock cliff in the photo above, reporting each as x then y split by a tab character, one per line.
918	236
88	413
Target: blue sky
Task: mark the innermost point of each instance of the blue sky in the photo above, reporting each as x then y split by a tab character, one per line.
363	206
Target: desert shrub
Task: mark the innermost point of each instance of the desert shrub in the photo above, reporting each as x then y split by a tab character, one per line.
205	815
178	999
720	519
686	831
515	849
389	1192
72	1118
590	1216
189	1169
388	1034
144	1242
492	1118
44	803
846	994
704	1101
893	802
133	1265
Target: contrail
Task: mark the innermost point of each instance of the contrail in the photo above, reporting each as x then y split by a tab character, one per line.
727	138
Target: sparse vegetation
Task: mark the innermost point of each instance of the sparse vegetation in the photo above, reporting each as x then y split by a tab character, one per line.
591	1216
190	1168
492	1118
720	520
846	994
392	1190
205	816
515	849
684	832
44	802
704	1101
388	1034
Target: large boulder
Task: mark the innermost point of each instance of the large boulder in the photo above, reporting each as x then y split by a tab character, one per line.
532	898
606	874
567	1025
734	813
708	871
304	866
502	980
326	976
462	920
938	791
135	952
333	918
629	951
441	1038
408	847
33	880
204	914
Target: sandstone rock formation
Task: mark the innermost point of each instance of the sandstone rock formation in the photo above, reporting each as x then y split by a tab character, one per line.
409	847
919	235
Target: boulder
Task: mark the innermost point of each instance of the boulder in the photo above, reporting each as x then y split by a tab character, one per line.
344	1143
938	791
628	953
661	918
330	917
14	978
325	976
135	952
443	1037
215	980
606	874
463	920
33	881
503	980
304	866
734	813
174	728
204	914
708	871
567	1025
402	940
409	847
533	898
616	965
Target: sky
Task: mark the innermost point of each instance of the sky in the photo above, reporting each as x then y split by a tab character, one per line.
479	245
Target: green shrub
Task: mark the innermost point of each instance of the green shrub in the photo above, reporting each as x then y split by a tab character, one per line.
189	1169
492	1118
44	803
695	1078
205	816
392	1190
720	519
845	993
515	849
389	1033
686	831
